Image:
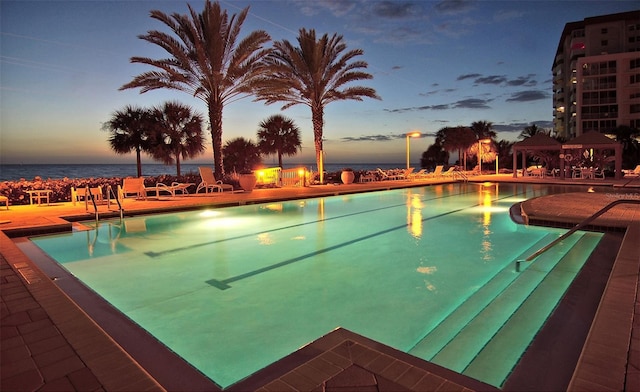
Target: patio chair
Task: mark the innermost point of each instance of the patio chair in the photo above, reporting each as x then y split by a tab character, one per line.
209	181
132	186
437	172
633	173
175	187
449	172
78	194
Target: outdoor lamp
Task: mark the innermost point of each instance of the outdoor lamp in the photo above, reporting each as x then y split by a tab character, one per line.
410	135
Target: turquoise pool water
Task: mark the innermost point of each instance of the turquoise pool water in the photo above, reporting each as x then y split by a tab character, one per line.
232	290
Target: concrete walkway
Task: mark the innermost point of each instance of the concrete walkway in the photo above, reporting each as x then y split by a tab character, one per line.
49	343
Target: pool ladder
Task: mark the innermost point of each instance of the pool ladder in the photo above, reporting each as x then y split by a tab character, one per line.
110	193
574	229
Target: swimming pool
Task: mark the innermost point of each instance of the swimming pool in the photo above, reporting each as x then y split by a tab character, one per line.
429	271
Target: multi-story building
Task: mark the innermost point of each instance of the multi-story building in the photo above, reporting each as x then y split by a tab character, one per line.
596	75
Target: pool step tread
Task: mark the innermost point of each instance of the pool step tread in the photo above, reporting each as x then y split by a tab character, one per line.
446	330
470	341
516	334
461	350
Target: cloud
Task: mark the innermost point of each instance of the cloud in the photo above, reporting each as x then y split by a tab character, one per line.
336	7
526	96
518	127
491	79
472	103
453	6
527	81
381	138
468	76
395	9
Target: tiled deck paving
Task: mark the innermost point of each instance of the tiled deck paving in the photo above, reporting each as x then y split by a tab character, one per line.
48	343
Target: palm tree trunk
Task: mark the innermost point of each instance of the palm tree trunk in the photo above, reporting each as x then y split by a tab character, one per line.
215	120
138	162
178	164
316	117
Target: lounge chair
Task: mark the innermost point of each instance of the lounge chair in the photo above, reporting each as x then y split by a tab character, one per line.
81	193
437	172
417	175
175	187
209	181
449	172
388	176
132	186
633	173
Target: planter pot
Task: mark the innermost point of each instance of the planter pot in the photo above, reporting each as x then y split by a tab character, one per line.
347	177
248	182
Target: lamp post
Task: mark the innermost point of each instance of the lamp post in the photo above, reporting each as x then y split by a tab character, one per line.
480	141
410	135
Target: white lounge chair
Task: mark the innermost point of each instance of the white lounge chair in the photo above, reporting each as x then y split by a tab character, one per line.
209	182
437	172
175	187
81	193
132	186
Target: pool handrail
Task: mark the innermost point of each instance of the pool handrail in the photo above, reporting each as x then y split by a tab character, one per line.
574	229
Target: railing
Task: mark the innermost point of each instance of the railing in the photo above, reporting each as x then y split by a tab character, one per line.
293	177
90	194
111	193
574	229
268	176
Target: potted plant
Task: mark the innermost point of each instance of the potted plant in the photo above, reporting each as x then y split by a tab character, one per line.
247	180
347	176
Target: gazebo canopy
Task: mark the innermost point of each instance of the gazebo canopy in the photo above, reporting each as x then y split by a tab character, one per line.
591	139
539	141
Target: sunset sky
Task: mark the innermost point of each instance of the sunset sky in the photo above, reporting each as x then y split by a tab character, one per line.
434	63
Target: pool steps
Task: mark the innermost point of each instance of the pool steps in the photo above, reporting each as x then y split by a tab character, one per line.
490	324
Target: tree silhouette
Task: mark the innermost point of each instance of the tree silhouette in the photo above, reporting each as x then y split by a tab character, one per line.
315	73
178	134
130	129
279	135
240	155
205	59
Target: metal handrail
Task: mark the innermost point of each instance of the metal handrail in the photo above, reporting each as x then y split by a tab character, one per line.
575	228
93	200
109	194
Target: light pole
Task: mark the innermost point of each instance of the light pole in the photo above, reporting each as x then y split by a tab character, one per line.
410	135
480	141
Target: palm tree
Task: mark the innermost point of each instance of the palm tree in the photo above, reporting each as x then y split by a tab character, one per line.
178	134
531	130
241	155
457	138
130	130
314	74
483	130
206	59
279	135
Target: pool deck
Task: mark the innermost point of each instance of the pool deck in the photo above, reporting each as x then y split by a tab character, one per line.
49	343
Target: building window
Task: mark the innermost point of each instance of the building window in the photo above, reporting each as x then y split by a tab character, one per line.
633	79
635	63
604	42
635	108
603	31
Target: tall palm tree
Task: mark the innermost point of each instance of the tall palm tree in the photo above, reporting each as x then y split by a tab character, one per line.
279	135
315	74
205	59
178	134
130	129
529	131
241	155
483	130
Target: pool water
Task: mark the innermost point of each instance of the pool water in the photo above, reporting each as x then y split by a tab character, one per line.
429	271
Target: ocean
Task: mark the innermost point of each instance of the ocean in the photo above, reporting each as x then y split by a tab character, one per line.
72	171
